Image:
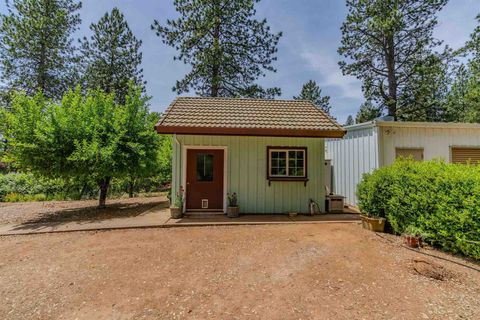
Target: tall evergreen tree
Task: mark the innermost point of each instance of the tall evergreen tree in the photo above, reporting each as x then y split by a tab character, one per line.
112	56
367	112
425	95
312	92
349	121
36	51
464	96
383	42
226	47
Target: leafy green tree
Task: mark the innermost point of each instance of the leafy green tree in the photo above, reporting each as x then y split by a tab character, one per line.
36	51
84	137
367	112
312	92
349	121
227	48
112	56
383	42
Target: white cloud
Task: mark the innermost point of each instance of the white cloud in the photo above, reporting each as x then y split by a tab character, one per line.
327	65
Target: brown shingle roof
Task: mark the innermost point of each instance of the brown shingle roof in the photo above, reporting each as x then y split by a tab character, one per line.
234	116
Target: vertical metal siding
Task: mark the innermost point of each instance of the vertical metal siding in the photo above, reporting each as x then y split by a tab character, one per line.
352	156
247	165
364	149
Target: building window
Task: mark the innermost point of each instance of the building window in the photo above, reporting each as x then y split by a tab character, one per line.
290	163
414	153
204	167
465	155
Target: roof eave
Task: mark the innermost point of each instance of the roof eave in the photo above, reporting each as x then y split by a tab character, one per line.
266	132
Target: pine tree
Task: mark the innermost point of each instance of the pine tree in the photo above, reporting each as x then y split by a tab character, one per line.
226	47
367	112
349	121
383	41
312	92
36	51
112	56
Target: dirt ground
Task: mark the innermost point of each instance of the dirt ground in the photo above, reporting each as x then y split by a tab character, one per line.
323	271
55	211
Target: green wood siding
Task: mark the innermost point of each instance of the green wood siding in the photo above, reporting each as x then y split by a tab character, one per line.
246	172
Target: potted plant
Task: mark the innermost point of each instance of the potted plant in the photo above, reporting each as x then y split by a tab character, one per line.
177	207
412	237
373	222
233	210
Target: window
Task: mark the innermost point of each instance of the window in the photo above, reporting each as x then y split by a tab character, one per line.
415	153
204	167
465	155
287	163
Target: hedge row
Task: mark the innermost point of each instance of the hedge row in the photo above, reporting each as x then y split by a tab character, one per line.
440	200
15	187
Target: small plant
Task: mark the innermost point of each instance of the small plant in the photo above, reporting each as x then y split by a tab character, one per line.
413	231
179	198
232	199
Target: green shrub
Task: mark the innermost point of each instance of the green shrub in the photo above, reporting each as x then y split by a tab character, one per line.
440	200
20	185
13	197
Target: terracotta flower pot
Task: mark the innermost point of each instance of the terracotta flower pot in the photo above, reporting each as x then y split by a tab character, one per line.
176	213
373	224
412	241
233	212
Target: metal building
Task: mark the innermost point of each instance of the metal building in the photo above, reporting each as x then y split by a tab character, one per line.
377	143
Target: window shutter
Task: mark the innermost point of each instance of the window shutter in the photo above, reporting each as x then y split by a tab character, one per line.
464	155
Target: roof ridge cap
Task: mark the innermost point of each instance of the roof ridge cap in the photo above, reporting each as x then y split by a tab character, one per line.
241	98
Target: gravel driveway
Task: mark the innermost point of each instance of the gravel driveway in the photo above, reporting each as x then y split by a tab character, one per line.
327	271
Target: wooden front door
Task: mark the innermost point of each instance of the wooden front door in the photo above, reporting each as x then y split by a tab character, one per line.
204	179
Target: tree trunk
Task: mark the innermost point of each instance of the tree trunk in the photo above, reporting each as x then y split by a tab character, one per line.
216	61
103	184
131	186
392	79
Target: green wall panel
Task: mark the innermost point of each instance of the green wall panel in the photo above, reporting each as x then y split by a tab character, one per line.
246	172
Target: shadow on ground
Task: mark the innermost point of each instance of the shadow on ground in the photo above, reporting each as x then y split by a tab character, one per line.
93	213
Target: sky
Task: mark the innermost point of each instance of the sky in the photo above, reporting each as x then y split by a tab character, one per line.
307	50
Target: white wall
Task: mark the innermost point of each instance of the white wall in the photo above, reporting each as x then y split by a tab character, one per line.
435	141
352	156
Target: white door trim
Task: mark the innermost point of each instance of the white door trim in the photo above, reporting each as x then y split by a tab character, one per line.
184	171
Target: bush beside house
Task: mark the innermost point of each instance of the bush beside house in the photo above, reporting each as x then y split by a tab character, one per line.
439	199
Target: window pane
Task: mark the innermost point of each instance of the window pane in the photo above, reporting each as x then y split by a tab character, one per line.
292	172
291	163
278	163
204	167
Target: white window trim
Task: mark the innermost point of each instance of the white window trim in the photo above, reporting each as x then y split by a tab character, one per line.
287	165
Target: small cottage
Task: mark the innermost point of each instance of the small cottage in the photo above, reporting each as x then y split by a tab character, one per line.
269	152
371	145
